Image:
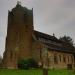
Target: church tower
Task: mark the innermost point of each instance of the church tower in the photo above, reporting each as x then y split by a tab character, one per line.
19	36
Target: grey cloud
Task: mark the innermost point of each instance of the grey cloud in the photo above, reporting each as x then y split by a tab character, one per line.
69	3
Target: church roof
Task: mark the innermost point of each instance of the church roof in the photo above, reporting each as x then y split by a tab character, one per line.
52	42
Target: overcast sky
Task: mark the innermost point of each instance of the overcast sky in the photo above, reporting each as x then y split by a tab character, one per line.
50	16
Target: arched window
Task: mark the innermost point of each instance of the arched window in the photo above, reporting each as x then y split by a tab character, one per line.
64	59
68	59
55	59
72	59
60	58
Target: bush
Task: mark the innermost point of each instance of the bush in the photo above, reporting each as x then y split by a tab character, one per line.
27	64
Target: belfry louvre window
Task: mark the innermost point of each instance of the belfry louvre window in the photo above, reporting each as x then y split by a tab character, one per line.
55	59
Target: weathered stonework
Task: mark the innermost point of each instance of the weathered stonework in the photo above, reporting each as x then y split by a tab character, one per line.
23	41
19	36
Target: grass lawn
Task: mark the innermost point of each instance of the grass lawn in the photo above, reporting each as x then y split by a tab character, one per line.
34	72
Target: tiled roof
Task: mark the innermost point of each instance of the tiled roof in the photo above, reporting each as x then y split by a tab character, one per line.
52	42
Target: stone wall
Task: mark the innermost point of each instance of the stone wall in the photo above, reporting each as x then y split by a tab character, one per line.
19	36
62	59
54	59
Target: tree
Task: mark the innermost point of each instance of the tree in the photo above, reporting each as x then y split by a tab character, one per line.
67	40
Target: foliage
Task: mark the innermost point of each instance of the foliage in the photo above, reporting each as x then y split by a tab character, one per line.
67	39
27	64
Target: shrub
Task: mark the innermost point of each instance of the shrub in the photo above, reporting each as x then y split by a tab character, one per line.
27	64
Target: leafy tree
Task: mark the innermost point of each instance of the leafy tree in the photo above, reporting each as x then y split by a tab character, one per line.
67	39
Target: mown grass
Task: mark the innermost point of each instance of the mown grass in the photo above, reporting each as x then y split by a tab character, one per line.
61	72
35	72
20	72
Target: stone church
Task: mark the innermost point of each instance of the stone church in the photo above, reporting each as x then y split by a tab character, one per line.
23	42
